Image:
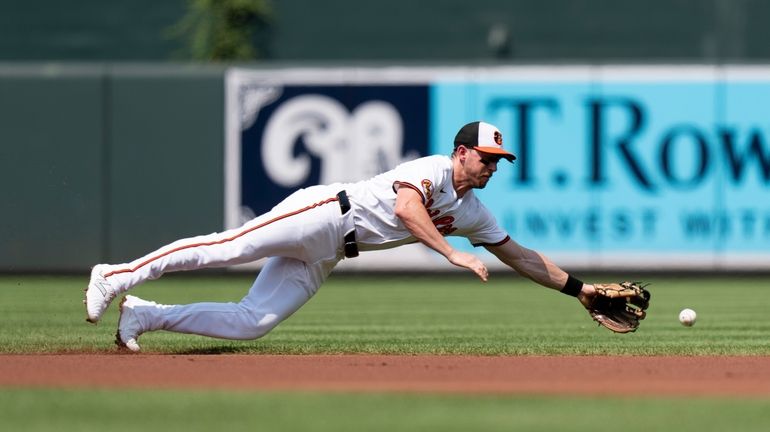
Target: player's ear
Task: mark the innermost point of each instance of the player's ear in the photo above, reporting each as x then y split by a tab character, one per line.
462	152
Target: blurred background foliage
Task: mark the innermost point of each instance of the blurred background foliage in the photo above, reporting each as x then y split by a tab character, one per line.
222	30
434	31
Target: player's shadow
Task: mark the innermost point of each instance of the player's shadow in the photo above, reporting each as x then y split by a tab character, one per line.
226	349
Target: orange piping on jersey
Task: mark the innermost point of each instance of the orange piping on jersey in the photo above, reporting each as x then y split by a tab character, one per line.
229	239
410	186
500	243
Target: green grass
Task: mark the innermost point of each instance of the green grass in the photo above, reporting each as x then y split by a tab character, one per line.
407	315
403	315
279	411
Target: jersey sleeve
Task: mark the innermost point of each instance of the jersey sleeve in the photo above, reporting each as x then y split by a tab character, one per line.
422	175
485	231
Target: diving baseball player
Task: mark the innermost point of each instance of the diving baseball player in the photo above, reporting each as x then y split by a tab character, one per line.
309	232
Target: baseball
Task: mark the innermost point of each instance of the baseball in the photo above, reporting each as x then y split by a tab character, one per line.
687	317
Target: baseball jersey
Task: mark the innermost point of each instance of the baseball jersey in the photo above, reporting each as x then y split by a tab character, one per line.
374	201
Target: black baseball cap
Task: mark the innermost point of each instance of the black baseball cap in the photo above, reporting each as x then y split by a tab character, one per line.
484	138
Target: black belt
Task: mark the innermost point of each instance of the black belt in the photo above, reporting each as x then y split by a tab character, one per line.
351	247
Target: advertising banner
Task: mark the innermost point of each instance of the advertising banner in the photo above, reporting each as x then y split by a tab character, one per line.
618	167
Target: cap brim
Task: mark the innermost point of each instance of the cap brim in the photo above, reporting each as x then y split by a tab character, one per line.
496	151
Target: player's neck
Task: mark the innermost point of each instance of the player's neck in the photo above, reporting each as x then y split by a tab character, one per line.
460	180
461	185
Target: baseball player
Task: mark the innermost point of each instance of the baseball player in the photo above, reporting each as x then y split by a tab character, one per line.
310	231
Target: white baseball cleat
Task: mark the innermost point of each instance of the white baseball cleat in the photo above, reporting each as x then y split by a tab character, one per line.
99	294
129	327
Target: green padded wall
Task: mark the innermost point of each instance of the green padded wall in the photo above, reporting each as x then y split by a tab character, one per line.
166	133
104	163
51	166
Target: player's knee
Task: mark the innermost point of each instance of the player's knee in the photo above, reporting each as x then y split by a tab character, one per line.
263	326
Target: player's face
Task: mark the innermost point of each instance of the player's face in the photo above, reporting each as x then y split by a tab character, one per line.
483	165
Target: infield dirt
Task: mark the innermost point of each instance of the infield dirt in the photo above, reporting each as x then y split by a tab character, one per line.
553	375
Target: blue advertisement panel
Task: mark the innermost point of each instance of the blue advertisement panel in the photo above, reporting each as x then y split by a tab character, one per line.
625	172
744	136
657	167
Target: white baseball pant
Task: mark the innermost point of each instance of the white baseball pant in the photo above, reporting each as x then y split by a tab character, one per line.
303	236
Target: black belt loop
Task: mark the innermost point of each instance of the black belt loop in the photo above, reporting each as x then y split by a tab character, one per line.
342	196
351	247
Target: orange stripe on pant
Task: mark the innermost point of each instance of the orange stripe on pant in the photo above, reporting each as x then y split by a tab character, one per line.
229	239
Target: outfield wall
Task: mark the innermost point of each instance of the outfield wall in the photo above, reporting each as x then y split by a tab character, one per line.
105	162
619	166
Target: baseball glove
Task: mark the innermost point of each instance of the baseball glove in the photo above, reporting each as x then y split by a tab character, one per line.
619	306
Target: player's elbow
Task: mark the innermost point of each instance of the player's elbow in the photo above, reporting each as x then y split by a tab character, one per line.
404	209
406	215
400	211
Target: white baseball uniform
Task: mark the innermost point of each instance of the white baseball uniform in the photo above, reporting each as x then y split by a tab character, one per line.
304	236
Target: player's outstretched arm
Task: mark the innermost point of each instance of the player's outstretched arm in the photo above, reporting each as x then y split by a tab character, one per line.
617	306
540	269
535	266
412	212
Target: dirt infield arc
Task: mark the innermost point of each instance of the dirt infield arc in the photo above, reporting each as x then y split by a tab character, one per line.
563	375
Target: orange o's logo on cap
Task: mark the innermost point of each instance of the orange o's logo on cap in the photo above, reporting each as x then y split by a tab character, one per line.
498	138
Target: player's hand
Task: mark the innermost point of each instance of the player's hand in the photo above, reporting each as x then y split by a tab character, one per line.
586	295
469	261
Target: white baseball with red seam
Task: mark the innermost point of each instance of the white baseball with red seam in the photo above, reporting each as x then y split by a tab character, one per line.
687	317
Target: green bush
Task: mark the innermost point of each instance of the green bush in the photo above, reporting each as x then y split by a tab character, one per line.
223	30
